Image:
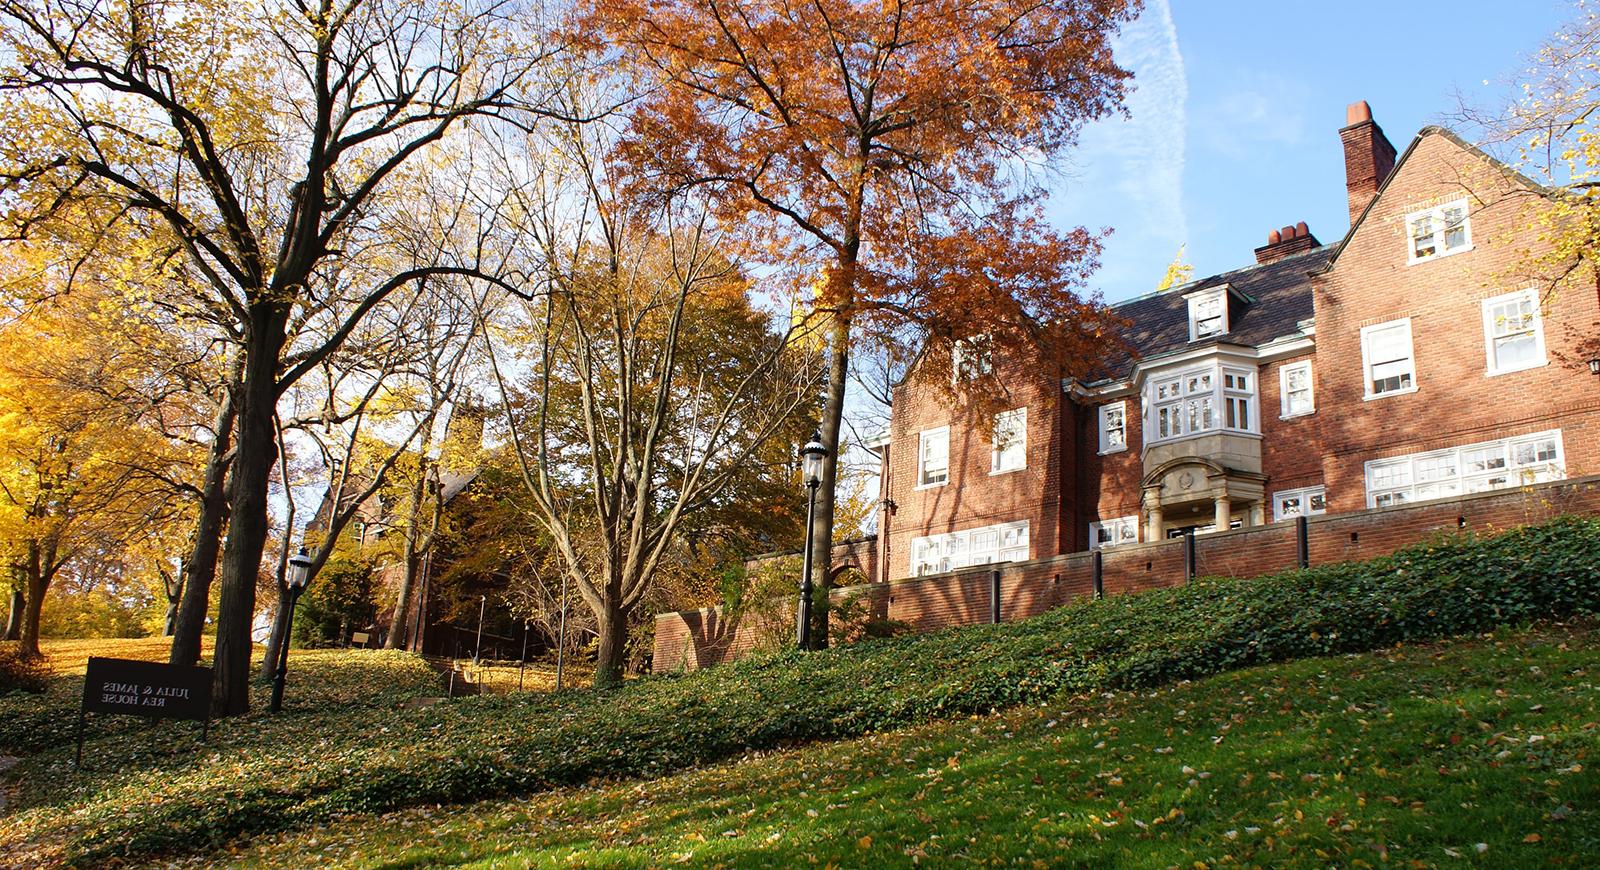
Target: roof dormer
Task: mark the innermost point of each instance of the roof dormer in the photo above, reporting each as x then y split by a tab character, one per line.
1211	310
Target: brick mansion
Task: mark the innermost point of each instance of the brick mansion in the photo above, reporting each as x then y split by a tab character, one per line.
1405	362
1416	376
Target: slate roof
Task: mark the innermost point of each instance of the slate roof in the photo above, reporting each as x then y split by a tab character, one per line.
1280	298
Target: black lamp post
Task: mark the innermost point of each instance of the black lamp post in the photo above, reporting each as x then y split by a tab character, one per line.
298	575
811	457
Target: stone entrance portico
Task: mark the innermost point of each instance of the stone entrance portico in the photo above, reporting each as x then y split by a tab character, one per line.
1195	491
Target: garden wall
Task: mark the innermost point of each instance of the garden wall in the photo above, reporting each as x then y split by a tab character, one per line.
698	638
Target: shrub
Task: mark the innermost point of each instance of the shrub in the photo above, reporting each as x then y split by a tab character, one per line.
20	673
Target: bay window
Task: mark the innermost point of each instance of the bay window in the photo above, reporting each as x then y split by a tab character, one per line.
1200	400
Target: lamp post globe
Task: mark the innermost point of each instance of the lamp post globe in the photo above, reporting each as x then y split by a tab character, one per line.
811	459
296	578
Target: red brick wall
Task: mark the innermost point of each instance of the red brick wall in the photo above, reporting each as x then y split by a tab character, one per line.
1291	450
1108	488
1456	402
973	496
702	637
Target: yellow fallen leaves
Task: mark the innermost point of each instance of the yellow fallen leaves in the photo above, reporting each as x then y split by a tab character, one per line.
864	843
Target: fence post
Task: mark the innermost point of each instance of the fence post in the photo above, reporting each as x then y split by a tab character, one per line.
1097	560
1303	531
994	597
1188	556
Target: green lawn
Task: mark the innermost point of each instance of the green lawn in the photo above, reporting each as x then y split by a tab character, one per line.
1476	752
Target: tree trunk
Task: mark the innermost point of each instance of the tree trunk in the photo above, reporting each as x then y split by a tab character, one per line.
37	582
612	655
201	566
822	520
253	463
14	617
171	621
397	625
402	608
277	638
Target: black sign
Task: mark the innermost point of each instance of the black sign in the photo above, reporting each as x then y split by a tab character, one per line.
147	689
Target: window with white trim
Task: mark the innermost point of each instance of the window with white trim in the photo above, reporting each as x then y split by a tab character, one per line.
1109	533
1114	427
1520	461
1513	333
933	457
1308	501
1010	441
1386	357
1003	542
1295	391
972	357
1437	232
1199	401
1208	313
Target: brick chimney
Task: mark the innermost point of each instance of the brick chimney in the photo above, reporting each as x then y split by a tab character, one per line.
1286	243
1368	156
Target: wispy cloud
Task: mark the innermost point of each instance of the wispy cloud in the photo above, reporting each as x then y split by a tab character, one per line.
1128	173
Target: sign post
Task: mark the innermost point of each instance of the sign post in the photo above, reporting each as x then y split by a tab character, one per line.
151	689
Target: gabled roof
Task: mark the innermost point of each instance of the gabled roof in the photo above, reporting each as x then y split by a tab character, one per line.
1279	295
1494	162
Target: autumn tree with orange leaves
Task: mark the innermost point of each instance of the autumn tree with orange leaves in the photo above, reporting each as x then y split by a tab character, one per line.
892	148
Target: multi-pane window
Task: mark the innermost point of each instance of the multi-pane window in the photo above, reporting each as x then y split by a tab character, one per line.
1113	427
1208	314
1295	383
933	457
972	357
1310	501
1004	542
1491	465
1109	533
1386	356
1236	399
1010	440
1438	231
1198	401
1512	332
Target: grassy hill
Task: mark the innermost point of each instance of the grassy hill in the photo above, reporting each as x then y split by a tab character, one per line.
1476	752
348	747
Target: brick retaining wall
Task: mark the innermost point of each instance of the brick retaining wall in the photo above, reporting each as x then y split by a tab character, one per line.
698	638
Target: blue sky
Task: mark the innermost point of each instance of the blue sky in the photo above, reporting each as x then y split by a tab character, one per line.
1237	110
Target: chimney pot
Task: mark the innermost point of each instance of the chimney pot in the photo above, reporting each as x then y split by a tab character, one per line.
1291	240
1357	112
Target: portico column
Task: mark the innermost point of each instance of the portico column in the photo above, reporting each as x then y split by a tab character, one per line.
1224	513
1258	513
1153	527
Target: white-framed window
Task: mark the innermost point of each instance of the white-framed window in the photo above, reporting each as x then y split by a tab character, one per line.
1519	461
1003	542
1010	451
1114	427
1200	400
1296	395
1438	232
1308	501
1387	359
1109	533
933	457
972	357
1513	332
1208	313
